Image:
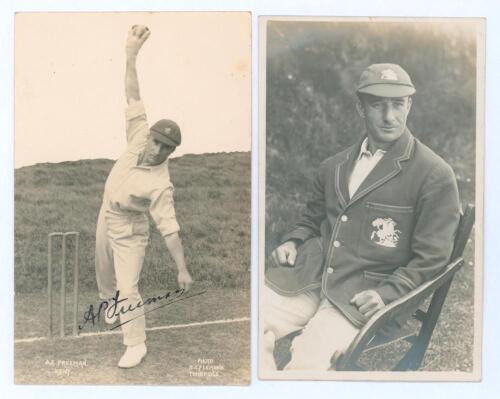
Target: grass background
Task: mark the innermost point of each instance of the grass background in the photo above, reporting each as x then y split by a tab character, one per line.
212	202
312	71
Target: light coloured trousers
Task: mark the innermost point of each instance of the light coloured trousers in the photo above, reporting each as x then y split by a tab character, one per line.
325	330
121	242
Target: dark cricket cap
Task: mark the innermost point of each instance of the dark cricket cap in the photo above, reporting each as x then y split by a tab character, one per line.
167	132
385	80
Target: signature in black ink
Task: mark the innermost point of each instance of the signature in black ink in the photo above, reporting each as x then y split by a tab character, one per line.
112	307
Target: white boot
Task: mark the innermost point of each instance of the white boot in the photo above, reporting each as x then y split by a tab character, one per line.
133	356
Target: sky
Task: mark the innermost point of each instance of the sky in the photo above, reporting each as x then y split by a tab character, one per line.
195	68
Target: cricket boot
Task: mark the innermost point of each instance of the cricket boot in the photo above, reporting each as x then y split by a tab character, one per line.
132	356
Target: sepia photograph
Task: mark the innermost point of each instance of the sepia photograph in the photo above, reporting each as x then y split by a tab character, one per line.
371	193
132	188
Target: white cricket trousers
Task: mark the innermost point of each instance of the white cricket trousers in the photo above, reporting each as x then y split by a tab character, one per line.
325	330
121	242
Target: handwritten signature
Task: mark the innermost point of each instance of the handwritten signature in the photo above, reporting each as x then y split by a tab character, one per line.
113	308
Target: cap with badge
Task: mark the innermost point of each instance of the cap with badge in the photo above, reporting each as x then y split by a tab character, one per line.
167	132
385	80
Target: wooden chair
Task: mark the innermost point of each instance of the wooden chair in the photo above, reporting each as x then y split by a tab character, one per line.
370	337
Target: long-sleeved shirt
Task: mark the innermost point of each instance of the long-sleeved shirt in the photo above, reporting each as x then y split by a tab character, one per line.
136	189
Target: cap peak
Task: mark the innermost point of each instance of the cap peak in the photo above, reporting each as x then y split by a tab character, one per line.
385	80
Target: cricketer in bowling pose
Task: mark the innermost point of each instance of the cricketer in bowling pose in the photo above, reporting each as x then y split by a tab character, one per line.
138	183
380	222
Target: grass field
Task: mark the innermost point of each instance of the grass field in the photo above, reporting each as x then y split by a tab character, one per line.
212	201
171	352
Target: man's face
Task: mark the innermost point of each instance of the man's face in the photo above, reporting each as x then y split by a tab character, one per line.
385	117
156	152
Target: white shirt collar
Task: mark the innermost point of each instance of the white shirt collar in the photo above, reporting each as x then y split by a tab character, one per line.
364	150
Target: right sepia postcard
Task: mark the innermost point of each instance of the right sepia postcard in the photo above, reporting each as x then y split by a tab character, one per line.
371	198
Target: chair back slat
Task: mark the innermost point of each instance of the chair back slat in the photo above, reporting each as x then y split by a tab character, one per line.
463	231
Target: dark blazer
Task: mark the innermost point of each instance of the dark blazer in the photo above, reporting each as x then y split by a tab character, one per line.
395	233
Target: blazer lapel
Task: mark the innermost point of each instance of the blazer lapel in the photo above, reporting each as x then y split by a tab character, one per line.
388	167
343	172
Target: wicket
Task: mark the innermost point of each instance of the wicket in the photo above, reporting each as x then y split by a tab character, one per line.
76	270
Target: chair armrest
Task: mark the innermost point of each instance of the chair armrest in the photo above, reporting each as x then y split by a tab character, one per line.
406	302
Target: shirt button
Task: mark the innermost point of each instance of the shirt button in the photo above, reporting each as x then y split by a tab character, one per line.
336	244
329	270
344	218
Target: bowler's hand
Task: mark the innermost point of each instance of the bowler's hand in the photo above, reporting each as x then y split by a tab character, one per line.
184	280
137	35
285	254
368	302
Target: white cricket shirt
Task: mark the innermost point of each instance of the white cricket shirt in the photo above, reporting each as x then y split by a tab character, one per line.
365	163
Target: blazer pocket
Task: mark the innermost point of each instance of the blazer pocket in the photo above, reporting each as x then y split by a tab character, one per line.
386	232
390	208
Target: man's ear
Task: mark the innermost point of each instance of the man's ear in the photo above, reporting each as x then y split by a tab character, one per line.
360	108
409	104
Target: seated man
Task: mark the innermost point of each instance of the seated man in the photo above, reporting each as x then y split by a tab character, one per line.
381	222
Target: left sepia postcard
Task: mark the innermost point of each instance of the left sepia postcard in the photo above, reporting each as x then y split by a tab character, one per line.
132	198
